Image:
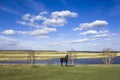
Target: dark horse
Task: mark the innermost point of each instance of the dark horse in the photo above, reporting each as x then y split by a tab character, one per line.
65	59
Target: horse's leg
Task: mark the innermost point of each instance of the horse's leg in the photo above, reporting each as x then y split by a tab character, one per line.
66	63
61	63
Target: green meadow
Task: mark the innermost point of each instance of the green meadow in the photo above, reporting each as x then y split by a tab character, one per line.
56	72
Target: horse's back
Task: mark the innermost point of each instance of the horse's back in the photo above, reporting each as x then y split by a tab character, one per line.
61	59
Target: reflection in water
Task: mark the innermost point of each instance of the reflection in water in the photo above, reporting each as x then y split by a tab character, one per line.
57	61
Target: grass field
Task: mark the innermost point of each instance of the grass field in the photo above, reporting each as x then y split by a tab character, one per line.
56	72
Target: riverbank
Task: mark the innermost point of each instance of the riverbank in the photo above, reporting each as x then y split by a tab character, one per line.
23	55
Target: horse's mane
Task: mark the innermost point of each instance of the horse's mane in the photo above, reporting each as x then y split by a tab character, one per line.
66	56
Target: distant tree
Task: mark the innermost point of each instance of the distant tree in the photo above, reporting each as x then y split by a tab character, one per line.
108	56
31	56
72	56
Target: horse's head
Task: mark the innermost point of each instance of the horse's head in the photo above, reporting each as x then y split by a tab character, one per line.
66	56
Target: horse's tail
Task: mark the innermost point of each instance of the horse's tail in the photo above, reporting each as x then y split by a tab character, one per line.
61	59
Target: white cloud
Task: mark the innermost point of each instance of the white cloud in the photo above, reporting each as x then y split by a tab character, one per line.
22	22
43	37
42	31
26	16
57	18
95	24
63	14
38	17
11	43
55	21
89	32
57	44
43	13
8	32
31	24
98	34
23	32
31	20
94	32
64	43
78	41
101	35
38	32
6	38
104	34
95	45
8	42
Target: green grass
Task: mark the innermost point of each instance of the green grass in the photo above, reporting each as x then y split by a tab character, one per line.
56	72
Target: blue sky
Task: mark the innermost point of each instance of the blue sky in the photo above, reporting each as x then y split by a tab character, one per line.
84	25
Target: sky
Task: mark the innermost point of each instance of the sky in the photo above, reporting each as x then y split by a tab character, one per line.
62	25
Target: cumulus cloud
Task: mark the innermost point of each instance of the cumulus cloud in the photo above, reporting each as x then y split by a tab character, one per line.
43	21
31	20
55	21
42	31
63	14
94	32
101	35
89	32
57	18
35	25
26	16
95	24
38	32
104	34
23	32
8	32
98	34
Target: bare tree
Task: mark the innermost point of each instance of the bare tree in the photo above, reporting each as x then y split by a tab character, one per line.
72	56
108	56
31	56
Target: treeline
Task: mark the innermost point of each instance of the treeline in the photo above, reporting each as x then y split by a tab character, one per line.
14	51
94	51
